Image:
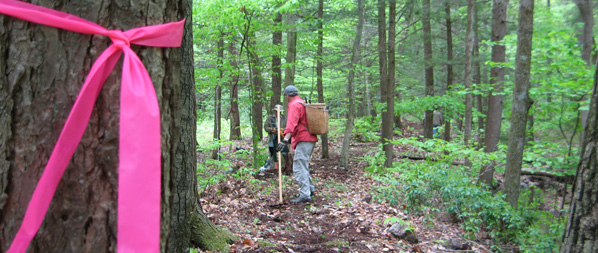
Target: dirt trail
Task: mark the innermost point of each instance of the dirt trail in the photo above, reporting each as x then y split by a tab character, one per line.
341	218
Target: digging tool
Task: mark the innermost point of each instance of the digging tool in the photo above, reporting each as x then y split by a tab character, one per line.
278	109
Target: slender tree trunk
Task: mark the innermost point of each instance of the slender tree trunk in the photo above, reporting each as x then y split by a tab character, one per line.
383	69
449	66
218	98
289	77
477	77
497	77
586	11
235	120
586	39
581	232
521	101
350	88
468	52
257	85
369	89
405	33
276	63
429	76
366	95
41	79
257	99
319	69
388	121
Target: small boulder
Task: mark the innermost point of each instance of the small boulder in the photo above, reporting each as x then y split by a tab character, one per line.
367	198
457	244
403	232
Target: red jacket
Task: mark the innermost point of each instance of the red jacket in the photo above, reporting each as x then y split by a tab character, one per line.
297	123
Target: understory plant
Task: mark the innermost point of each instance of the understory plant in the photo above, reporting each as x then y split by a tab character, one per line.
440	183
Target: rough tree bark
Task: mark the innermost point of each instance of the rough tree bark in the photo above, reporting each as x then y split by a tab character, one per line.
521	101
350	88
467	78
44	70
429	76
319	69
581	232
497	77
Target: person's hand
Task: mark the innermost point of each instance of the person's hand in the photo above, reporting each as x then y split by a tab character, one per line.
282	144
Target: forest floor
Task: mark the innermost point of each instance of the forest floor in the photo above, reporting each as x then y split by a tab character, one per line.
341	218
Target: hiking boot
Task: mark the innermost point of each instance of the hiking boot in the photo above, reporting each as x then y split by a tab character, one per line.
300	200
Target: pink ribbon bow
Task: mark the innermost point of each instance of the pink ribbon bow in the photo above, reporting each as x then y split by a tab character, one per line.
139	143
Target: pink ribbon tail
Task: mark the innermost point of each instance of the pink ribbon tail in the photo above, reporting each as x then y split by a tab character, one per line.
65	147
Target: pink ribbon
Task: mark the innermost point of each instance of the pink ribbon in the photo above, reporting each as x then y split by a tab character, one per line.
139	164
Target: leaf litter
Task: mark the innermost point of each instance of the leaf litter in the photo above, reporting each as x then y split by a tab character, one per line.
341	218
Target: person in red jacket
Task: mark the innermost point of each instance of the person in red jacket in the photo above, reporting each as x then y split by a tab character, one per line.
303	143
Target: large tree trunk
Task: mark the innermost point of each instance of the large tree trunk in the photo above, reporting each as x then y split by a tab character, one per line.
429	76
319	69
43	75
235	120
218	98
521	101
467	78
181	208
449	66
276	63
384	92
581	232
497	77
350	88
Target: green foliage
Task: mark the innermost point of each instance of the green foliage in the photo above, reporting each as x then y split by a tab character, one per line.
366	129
433	186
336	129
416	106
552	157
543	235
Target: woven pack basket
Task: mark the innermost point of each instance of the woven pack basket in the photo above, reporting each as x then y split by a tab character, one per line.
317	118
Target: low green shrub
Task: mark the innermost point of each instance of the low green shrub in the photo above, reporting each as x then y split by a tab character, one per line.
434	185
366	129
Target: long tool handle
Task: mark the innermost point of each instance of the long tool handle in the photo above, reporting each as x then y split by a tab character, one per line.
279	156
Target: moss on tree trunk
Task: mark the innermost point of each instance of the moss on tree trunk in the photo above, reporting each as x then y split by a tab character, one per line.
207	236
